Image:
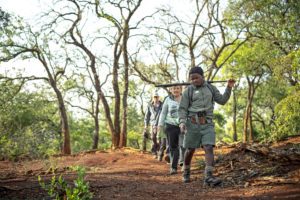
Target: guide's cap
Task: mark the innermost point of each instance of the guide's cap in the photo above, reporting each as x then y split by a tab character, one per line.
155	94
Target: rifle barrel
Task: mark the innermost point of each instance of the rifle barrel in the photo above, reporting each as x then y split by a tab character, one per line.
184	83
171	84
217	81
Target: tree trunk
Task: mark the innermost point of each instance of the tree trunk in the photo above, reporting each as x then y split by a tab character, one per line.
103	100
100	96
117	102
107	116
123	141
234	116
248	135
96	134
193	59
96	121
246	114
61	106
64	121
177	66
251	135
77	40
118	49
245	130
115	140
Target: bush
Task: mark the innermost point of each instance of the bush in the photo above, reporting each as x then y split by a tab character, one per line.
287	117
59	189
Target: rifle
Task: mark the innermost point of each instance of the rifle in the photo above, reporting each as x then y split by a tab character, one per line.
184	83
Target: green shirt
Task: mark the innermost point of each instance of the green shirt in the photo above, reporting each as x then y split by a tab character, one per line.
202	100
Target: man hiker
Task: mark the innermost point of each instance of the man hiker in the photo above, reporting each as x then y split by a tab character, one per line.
151	119
195	114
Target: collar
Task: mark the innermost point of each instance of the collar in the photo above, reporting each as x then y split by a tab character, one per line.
203	85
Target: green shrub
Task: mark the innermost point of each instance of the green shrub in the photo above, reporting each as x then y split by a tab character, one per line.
287	116
59	189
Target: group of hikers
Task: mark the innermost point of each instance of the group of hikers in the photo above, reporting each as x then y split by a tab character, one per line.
183	122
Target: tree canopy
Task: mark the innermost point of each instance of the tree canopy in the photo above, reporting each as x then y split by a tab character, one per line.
79	76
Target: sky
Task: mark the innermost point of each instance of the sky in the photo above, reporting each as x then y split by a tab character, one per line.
24	8
29	10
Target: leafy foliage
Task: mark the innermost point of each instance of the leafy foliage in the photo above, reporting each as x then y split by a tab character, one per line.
82	134
276	22
288	116
28	123
220	122
4	19
59	189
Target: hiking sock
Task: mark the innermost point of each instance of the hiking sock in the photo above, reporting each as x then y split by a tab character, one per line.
208	170
186	173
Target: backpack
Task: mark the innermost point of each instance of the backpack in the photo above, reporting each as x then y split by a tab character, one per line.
191	93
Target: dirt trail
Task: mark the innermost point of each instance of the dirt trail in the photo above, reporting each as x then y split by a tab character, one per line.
130	174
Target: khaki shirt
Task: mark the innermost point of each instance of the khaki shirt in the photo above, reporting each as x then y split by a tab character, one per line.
202	100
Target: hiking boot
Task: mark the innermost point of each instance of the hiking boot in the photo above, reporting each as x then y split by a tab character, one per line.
186	175
211	181
167	159
181	165
154	155
173	171
160	158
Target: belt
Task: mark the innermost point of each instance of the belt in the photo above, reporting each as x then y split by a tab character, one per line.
200	120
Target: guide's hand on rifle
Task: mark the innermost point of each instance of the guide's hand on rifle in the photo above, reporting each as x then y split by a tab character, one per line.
230	83
182	127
